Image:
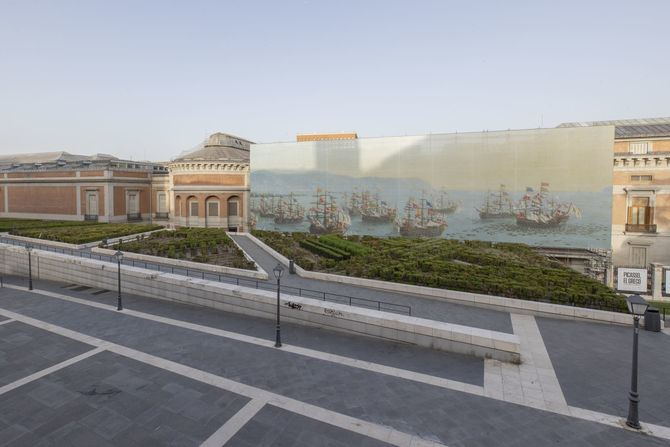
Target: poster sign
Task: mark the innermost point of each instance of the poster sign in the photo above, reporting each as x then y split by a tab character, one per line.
632	280
667	282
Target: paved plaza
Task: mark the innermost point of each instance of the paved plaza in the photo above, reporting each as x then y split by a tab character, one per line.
74	371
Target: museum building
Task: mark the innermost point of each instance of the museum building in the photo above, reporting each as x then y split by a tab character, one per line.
210	187
205	187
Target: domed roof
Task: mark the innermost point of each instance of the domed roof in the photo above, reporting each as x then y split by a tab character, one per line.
219	147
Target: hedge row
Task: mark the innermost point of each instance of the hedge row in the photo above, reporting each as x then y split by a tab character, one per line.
324	250
503	269
86	233
193	244
21	224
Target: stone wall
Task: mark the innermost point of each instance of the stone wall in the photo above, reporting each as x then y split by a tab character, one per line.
248	301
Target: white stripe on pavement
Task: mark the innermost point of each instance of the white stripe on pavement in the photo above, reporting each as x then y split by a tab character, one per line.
234	424
49	370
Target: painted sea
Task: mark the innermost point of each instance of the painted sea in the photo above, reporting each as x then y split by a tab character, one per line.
590	230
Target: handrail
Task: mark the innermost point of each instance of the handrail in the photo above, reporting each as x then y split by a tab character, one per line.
224	278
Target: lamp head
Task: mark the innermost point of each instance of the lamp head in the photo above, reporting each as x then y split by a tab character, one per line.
278	271
637	305
119	255
29	247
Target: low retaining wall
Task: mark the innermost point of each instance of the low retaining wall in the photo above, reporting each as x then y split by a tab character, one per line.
259	274
243	300
476	299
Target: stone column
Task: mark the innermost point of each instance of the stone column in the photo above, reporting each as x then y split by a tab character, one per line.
656	281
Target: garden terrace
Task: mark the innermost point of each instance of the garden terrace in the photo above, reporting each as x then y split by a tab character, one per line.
501	269
82	234
20	224
206	245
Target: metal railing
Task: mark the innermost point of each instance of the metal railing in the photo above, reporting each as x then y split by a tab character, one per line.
91	217
162	215
134	216
230	279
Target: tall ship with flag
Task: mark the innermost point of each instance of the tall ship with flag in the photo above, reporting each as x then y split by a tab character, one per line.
498	205
538	210
375	210
326	216
420	220
442	203
289	210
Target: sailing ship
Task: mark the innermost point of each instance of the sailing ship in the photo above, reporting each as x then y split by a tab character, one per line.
253	220
498	205
352	204
326	216
253	202
375	210
442	204
289	211
539	211
267	205
419	220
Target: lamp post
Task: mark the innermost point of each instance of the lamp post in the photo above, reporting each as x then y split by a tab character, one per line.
278	271
29	248
119	258
636	306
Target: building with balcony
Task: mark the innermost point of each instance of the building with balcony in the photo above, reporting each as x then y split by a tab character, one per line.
641	191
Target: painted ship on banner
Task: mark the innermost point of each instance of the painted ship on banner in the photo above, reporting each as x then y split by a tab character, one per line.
352	204
289	211
326	216
442	204
420	220
375	210
498	205
539	211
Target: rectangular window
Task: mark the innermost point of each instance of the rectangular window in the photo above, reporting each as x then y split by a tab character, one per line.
639	211
162	202
638	147
194	209
638	256
232	208
641	178
213	209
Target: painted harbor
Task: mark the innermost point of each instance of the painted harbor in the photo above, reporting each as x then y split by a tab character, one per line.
589	229
542	187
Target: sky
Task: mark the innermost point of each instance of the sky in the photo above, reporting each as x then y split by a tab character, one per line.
150	79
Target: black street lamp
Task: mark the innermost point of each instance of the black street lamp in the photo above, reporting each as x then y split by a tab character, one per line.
119	257
278	271
29	248
637	306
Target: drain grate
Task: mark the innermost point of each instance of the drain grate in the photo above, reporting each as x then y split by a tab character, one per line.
80	288
100	292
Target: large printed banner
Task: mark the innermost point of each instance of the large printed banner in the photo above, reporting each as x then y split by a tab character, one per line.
544	187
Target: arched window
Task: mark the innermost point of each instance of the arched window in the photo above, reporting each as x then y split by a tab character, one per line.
212	207
193	207
233	206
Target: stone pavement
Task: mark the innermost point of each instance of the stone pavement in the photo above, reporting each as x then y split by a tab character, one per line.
302	394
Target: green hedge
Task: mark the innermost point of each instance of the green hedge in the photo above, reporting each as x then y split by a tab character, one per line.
86	233
504	269
323	250
20	224
193	244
